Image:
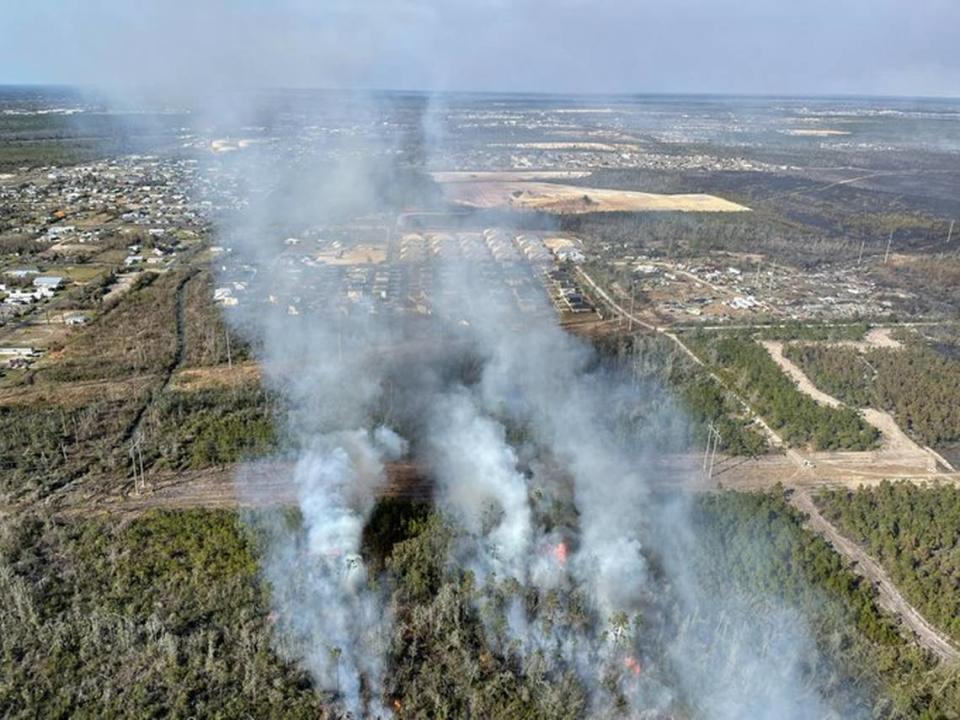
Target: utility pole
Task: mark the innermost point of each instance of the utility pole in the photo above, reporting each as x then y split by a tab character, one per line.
886	255
226	333
133	461
143	481
713	455
633	301
710	452
706	451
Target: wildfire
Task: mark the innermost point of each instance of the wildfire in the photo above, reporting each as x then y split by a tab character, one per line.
397	706
560	553
633	665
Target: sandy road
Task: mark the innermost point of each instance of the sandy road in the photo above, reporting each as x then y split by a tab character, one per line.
889	597
895	442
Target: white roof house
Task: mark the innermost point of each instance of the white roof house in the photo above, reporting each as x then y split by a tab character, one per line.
48	282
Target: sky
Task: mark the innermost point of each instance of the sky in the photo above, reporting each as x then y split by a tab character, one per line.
767	47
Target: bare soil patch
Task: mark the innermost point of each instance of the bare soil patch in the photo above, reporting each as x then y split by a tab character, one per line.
569	199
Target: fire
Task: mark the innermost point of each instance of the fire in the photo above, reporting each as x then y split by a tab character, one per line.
633	665
560	553
397	706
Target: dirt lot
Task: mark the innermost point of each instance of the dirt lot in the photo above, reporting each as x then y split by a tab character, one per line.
356	255
568	199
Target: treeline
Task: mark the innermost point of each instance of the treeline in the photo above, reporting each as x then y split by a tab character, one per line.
210	427
43	448
796	330
164	616
795	415
841	372
915	534
920	386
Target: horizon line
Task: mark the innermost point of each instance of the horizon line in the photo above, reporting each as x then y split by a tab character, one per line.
519	93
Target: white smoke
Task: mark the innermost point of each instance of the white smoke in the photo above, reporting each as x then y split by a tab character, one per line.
480	486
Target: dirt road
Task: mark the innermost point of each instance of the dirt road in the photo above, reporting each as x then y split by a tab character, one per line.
897	447
889	597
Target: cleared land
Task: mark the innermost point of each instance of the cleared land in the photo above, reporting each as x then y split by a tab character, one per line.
569	199
817	132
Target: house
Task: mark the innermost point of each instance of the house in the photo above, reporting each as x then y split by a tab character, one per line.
21	297
17	351
48	282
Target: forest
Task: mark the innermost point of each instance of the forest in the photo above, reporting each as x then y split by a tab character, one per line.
915	534
167	612
917	384
655	359
800	419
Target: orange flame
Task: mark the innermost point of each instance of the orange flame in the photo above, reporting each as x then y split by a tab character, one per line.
633	665
560	553
397	706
